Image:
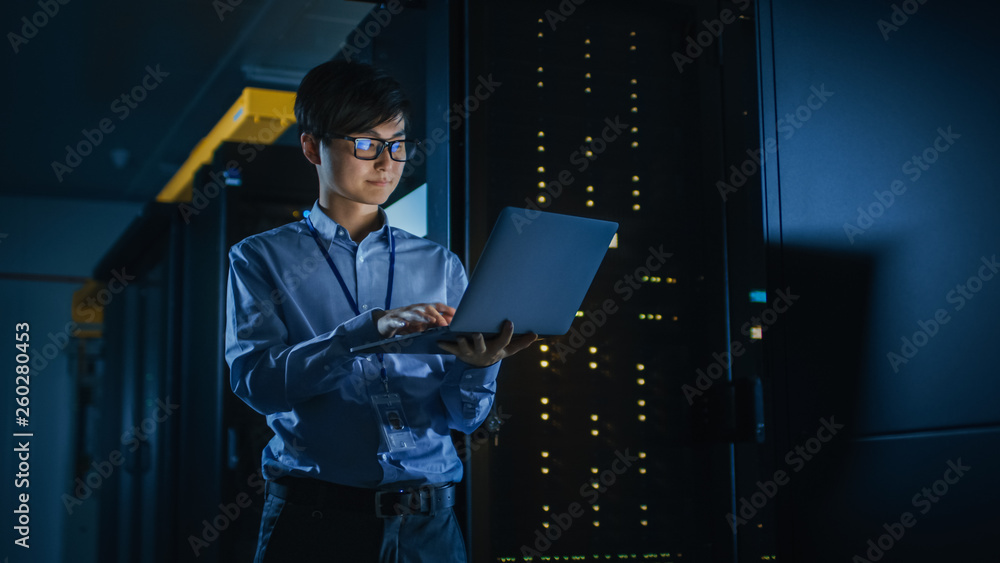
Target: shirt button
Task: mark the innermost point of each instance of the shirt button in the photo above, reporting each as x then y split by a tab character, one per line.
384	456
468	376
364	306
361	258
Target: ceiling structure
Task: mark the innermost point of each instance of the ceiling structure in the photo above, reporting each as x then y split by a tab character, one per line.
107	101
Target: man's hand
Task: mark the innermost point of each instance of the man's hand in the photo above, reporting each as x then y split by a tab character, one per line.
412	318
478	351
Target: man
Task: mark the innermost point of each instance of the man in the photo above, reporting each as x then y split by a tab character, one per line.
361	467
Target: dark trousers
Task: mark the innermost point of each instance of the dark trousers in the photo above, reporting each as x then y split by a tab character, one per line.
302	532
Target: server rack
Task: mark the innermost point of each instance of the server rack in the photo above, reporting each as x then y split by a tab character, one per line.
197	447
591	115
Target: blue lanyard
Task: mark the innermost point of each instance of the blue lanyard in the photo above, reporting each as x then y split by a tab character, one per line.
340	278
347	292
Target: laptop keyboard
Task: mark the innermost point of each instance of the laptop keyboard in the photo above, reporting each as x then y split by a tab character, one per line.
422	333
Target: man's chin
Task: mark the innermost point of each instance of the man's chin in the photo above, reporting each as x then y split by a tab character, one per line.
381	196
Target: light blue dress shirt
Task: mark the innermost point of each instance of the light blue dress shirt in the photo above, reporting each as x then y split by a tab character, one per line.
289	331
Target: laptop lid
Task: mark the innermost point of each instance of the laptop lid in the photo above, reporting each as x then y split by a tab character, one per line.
535	270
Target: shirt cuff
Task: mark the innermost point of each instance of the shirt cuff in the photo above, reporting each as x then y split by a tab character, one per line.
361	330
475	376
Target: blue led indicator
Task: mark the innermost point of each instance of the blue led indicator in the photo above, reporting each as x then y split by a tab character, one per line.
233	177
758	296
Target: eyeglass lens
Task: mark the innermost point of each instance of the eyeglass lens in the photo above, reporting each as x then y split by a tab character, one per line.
372	148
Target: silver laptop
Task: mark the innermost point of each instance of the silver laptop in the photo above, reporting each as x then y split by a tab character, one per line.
535	270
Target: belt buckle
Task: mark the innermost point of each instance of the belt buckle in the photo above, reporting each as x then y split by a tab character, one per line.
378	504
425	499
399	508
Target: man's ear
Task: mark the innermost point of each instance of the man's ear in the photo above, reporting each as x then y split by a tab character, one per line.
310	148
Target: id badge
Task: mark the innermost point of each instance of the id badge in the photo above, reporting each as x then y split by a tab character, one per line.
392	421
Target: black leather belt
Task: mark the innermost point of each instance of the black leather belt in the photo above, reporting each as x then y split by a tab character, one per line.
425	499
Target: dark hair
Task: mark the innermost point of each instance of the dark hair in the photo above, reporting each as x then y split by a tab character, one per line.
338	97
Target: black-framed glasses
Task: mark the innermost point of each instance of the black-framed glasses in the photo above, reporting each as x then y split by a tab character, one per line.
367	148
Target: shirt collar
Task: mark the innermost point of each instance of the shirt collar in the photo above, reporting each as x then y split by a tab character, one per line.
329	229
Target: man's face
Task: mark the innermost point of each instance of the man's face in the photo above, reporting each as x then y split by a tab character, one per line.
362	181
